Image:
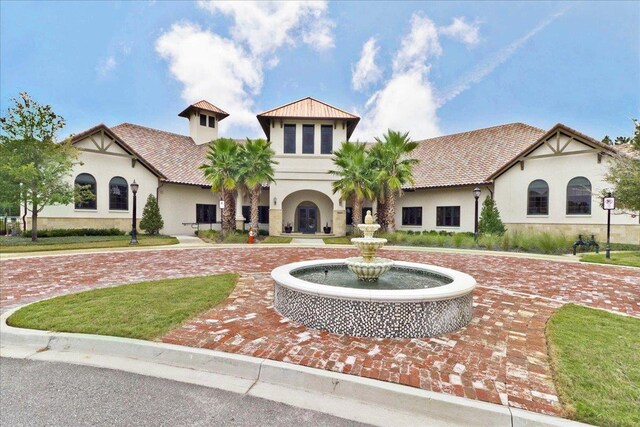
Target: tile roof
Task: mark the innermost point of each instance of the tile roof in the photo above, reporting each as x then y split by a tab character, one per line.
558	127
309	108
207	106
103	128
469	158
176	156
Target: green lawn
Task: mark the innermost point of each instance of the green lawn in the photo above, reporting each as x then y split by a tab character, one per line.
345	240
631	259
144	310
595	357
24	244
276	239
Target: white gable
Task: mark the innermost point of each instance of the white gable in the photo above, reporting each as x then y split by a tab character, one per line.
101	142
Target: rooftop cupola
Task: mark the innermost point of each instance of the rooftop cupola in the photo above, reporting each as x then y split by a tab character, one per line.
203	121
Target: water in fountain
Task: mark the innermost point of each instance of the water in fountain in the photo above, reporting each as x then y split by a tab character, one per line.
368	267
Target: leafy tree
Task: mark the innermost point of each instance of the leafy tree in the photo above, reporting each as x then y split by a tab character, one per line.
256	169
355	182
223	172
624	171
151	221
393	164
31	156
490	222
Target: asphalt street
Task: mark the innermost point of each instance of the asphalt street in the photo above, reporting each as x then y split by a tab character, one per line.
58	394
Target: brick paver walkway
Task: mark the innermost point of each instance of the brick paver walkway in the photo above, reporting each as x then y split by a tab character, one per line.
500	357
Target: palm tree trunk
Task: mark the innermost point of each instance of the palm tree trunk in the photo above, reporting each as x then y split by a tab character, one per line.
255	199
382	215
228	215
391	211
357	215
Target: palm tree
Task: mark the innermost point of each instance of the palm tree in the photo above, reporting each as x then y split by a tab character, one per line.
223	171
394	168
257	169
356	177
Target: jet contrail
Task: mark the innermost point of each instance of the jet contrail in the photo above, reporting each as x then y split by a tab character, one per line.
484	69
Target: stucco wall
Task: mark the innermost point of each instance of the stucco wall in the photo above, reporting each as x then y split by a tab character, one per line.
277	134
102	167
178	204
511	190
430	199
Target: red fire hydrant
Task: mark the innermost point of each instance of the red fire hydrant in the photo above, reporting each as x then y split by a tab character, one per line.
252	236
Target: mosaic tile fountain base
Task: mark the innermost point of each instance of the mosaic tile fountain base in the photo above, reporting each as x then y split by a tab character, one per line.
374	319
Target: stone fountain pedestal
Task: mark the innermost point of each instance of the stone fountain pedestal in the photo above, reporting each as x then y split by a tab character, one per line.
367	267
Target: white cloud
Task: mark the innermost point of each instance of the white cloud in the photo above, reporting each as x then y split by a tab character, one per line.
406	102
366	72
484	69
418	46
213	68
462	31
228	71
264	26
106	66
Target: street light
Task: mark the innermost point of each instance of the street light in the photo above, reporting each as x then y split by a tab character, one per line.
134	190
476	195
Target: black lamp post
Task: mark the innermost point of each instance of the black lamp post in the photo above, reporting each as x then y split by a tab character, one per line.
134	190
476	195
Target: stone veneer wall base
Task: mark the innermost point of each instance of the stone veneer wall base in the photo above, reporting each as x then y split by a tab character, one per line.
620	233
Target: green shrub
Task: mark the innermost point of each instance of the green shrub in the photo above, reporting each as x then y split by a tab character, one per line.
151	221
458	240
490	222
67	232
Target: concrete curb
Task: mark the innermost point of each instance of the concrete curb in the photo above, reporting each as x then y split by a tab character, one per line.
347	396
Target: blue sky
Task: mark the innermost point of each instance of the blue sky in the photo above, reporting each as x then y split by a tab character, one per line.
428	68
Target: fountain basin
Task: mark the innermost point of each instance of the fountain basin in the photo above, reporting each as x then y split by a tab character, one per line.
368	312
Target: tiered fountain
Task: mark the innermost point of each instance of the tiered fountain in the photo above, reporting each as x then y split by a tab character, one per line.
374	297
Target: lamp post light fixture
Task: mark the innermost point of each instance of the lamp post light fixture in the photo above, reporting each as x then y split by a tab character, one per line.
275	201
134	190
476	195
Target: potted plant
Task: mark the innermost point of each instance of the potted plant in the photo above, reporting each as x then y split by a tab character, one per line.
288	228
327	229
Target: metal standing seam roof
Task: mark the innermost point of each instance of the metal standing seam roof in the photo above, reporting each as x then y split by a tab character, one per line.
308	108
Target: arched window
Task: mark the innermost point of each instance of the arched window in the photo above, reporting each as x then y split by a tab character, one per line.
579	196
538	198
118	194
87	182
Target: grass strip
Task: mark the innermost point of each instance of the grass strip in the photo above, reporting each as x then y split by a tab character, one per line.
337	240
595	356
145	310
277	239
631	259
80	242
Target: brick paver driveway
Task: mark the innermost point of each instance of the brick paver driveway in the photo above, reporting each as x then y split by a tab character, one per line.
500	357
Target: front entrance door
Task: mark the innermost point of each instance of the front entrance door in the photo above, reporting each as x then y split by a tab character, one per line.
307	219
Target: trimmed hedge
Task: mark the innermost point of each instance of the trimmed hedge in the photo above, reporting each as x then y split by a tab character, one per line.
66	232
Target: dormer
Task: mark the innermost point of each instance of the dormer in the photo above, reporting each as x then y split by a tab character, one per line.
203	121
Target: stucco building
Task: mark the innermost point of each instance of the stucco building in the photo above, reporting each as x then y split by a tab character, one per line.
540	179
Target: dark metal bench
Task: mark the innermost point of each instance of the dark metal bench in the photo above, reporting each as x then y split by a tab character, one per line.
588	244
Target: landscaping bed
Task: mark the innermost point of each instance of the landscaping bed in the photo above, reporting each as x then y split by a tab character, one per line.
595	356
145	310
10	244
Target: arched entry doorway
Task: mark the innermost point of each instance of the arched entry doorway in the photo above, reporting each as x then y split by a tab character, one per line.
307	211
307	217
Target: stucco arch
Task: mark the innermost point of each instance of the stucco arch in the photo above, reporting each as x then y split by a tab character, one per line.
315	198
